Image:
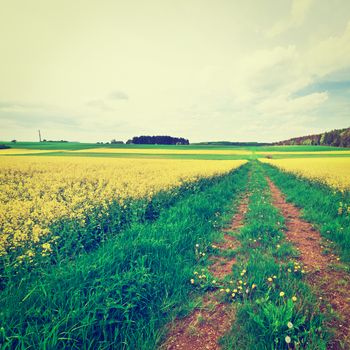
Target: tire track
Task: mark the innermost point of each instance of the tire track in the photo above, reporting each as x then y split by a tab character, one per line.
206	325
329	284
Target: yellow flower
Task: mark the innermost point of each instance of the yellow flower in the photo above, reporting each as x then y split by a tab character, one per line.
294	298
192	281
281	294
30	253
227	290
269	279
46	246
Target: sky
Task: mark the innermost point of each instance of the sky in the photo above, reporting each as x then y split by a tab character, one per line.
237	70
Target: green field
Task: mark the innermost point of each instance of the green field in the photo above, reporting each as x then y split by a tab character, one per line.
192	151
82	146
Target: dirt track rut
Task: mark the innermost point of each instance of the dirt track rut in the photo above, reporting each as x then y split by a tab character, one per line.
328	283
203	327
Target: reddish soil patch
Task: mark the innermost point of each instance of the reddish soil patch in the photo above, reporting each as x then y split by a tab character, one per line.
222	266
328	284
204	326
238	219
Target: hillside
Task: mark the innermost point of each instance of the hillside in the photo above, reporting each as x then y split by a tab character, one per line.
337	138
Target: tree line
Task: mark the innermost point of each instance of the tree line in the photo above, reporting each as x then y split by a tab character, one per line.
337	138
158	140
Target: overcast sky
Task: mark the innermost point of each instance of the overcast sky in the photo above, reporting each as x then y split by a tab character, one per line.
240	70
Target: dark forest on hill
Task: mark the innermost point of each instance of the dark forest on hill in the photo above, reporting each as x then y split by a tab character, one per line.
337	138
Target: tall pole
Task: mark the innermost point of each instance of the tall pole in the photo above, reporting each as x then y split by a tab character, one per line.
39	136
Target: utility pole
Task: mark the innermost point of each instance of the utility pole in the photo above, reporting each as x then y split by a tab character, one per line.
39	136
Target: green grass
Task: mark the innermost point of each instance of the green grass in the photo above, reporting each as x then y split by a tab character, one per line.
138	155
263	314
82	146
120	295
320	205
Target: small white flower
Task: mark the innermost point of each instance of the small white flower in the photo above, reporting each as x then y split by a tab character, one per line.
288	339
290	325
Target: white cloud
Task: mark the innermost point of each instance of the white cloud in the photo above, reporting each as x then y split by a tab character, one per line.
285	105
298	12
329	55
99	104
118	95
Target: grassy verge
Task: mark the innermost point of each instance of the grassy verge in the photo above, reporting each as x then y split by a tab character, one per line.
275	308
119	295
322	206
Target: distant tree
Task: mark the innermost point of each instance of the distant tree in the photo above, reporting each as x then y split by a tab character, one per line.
114	141
346	139
14	141
322	139
306	142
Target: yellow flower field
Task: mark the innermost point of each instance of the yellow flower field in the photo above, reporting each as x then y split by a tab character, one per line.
333	171
15	151
36	191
